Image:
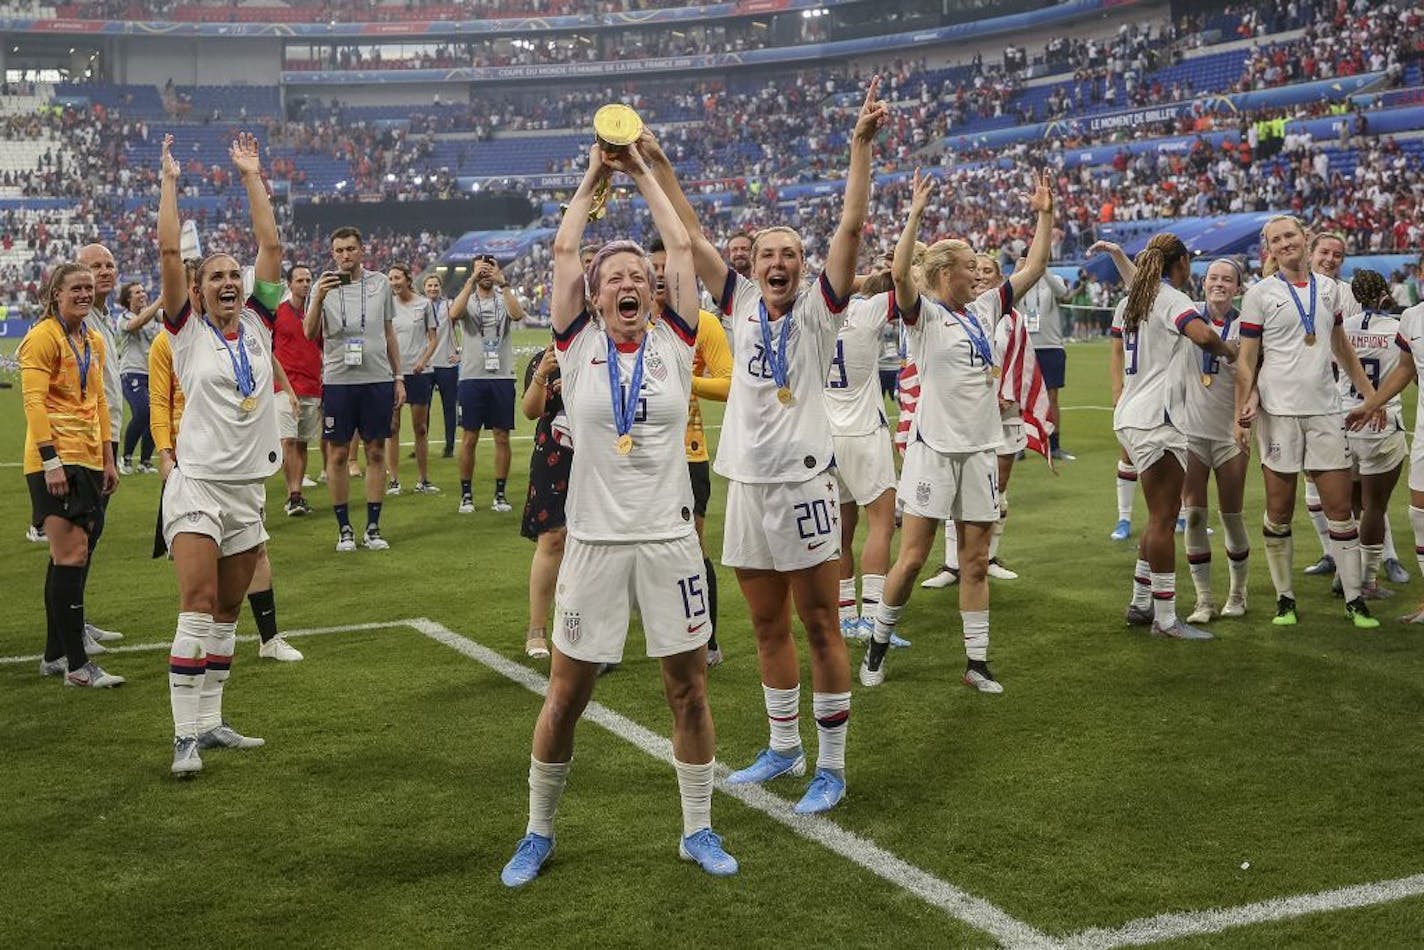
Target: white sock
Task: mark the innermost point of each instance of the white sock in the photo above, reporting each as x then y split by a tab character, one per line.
1416	521
872	588
832	711
1280	552
1370	557
546	787
1142	585
694	786
1390	554
1199	553
1317	516
187	662
976	634
885	620
847	600
1238	549
1126	489
1164	600
219	645
951	544
783	712
1345	548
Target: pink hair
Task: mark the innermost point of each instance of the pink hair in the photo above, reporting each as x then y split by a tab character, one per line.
591	277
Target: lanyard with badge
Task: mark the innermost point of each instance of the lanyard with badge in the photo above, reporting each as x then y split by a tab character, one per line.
491	345
776	357
355	346
625	404
978	341
1307	317
241	367
1210	362
1031	301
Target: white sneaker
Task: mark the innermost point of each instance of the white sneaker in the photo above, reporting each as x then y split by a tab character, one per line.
307	482
393	488
346	542
100	634
57	667
1235	604
279	649
372	539
125	467
467	505
947	577
186	760
93	647
984	683
500	503
425	488
997	570
226	737
1203	612
321	477
90	674
35	535
714	658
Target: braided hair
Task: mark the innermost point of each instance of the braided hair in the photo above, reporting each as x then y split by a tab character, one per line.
1372	291
1161	253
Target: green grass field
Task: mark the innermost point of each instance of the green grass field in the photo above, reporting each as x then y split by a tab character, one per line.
1117	778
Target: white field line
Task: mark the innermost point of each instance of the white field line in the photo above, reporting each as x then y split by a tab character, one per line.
1202	922
1092	408
974	911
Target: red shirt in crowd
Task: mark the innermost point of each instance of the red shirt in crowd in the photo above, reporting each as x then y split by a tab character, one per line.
300	357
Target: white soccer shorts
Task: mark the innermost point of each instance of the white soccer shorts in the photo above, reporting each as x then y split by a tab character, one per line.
782	526
1290	444
1375	455
865	466
600	584
1015	437
962	486
231	513
1213	453
1147	447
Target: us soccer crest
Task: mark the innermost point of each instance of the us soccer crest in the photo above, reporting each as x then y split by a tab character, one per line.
571	625
1273	450
922	493
656	367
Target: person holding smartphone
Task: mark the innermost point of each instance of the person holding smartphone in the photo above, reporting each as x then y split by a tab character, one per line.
486	310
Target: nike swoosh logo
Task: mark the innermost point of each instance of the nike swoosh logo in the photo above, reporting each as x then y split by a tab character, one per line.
697	628
812	547
598	362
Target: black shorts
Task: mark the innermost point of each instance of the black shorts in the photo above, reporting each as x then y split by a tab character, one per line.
357	407
486	404
701	475
84	505
1053	363
418	388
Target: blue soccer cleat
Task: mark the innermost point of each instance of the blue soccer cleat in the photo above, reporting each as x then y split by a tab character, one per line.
529	856
823	794
897	641
1122	532
769	764
852	627
704	849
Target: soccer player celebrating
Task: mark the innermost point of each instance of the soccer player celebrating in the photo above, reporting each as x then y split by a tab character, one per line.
865	459
350	311
213	503
140	330
1379	449
445	359
486	310
630	525
69	460
1299	426
414	327
776	451
951	469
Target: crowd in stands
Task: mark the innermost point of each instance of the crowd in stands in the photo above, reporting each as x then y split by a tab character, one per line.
344	11
1342	40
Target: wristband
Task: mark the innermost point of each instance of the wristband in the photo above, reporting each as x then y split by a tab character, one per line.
48	452
53	464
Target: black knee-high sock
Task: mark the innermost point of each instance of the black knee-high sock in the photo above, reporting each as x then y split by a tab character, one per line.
67	604
264	611
54	646
711	599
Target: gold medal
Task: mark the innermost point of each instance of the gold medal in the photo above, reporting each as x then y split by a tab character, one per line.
248	404
996	372
1310	339
624	445
1206	380
783	395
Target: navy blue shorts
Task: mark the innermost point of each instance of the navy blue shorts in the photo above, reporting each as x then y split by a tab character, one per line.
486	404
1054	366
418	388
357	407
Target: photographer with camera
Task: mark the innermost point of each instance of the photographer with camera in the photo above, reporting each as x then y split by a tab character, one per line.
485	310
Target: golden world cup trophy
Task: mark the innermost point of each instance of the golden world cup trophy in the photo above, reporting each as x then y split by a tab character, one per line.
616	127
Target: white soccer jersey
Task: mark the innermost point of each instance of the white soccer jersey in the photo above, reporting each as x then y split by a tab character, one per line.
958	409
445	350
1410	339
1373	336
762	440
1349	306
1154	354
1209	386
853	401
644	495
221	443
1295	378
412	319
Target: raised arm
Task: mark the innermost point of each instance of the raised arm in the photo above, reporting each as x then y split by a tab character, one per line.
907	295
173	278
1126	269
567	299
1036	261
246	157
136	322
706	259
681	273
845	243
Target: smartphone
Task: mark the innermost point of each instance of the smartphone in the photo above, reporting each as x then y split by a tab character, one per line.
344	277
